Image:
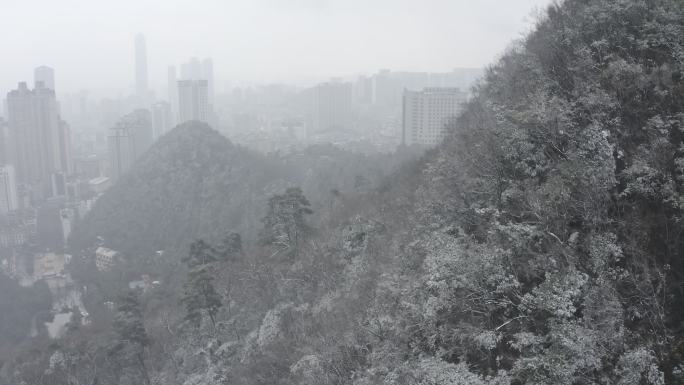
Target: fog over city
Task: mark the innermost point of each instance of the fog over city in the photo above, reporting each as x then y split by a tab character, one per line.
342	192
89	43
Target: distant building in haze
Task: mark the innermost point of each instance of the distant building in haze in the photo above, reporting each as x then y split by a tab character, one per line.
386	90
128	140
9	200
193	100
46	75
122	152
331	107
161	119
388	86
65	155
172	84
427	113
195	69
141	83
4	142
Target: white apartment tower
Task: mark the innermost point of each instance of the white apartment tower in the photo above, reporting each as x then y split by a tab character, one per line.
427	114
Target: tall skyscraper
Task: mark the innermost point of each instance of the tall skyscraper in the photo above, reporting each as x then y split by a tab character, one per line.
35	131
427	114
141	85
46	75
332	107
193	102
8	189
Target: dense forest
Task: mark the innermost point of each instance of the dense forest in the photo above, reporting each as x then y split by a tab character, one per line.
541	243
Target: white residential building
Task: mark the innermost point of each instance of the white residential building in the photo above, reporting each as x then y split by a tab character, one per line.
427	114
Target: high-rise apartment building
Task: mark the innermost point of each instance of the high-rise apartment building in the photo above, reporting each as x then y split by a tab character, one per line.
427	114
38	141
8	189
332	107
193	100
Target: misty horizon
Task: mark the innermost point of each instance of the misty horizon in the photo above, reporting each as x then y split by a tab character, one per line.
91	45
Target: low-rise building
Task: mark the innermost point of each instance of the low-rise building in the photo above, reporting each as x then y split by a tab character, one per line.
105	258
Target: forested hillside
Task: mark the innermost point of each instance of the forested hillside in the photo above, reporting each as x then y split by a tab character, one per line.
541	243
194	183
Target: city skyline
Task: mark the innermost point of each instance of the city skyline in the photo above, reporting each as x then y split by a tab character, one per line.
303	43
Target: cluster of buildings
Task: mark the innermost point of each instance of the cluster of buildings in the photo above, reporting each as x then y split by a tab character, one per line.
51	171
383	111
39	198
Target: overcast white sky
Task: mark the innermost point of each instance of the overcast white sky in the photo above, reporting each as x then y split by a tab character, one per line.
90	42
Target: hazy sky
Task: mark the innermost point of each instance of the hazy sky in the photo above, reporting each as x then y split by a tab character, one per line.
90	42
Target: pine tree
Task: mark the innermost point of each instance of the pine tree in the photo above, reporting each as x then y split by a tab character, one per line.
200	296
285	223
132	337
231	245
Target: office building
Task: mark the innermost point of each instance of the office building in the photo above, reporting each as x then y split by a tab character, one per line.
193	102
8	189
331	107
427	114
